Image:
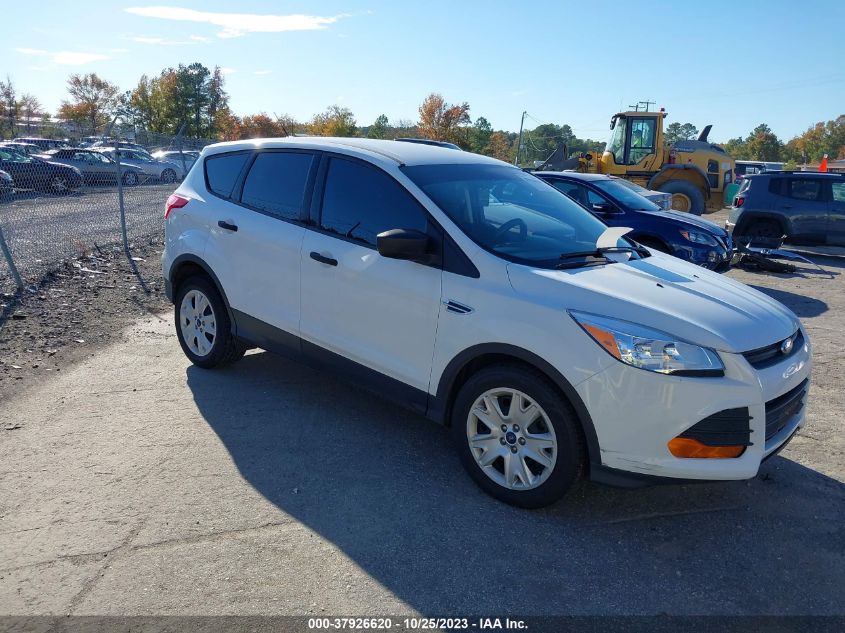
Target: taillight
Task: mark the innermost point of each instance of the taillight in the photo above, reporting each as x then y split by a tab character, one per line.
175	201
739	201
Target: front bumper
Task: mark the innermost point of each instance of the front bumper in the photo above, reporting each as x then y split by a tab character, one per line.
636	413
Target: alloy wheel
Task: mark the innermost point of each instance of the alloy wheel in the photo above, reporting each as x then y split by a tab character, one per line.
197	323
511	438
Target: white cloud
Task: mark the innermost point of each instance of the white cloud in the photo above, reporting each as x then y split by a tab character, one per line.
69	58
227	71
200	38
65	58
143	39
32	51
118	50
261	72
238	24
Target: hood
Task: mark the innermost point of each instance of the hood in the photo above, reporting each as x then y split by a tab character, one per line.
668	294
692	221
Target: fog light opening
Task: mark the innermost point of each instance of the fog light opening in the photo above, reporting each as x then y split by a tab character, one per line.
690	448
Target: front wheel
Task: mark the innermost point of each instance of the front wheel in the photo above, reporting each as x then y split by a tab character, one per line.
517	436
130	179
203	326
686	196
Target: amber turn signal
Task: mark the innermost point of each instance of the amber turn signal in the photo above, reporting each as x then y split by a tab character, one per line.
688	447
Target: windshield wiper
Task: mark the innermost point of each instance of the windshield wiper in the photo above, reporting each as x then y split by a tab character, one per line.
590	259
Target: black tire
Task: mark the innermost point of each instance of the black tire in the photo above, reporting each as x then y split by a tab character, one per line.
59	184
569	457
225	348
168	176
653	243
695	196
130	179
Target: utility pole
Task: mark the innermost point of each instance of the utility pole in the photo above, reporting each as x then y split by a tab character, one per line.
519	141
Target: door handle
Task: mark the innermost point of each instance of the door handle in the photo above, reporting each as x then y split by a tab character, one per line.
323	259
229	227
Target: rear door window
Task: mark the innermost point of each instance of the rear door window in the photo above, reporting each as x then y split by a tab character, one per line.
360	202
573	190
276	183
222	171
805	189
838	191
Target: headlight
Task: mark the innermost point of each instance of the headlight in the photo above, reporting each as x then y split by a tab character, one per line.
649	349
699	238
76	171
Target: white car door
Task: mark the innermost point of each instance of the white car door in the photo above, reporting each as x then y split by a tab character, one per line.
256	233
378	312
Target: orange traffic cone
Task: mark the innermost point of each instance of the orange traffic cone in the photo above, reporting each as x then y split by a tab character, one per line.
823	164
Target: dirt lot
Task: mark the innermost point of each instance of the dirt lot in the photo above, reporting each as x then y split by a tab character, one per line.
133	483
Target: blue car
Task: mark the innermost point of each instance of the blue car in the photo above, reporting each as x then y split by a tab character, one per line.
680	234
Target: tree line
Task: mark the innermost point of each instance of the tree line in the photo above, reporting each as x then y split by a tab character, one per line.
192	100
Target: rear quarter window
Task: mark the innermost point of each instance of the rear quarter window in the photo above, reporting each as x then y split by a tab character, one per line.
222	171
276	183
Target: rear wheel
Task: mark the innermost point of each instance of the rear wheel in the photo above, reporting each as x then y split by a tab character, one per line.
686	196
168	176
203	326
130	179
59	184
517	436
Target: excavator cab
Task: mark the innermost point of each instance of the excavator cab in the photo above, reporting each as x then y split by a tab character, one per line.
634	137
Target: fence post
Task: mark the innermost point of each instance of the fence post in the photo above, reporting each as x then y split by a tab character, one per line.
120	197
8	255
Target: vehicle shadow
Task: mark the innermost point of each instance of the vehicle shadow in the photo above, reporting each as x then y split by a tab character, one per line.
802	305
385	486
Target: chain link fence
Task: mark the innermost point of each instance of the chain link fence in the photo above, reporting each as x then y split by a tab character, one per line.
58	204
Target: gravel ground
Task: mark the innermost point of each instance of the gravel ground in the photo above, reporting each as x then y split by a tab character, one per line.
134	483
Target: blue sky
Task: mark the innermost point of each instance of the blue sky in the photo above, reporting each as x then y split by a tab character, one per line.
732	64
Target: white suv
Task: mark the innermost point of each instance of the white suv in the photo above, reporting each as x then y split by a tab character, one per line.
478	295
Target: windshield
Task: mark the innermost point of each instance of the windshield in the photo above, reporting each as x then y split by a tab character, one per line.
626	196
616	144
509	212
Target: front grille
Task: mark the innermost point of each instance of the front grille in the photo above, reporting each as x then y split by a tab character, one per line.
769	355
780	410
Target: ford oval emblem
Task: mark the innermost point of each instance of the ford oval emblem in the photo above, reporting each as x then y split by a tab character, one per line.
786	346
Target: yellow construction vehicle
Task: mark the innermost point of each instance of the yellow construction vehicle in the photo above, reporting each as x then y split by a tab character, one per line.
695	172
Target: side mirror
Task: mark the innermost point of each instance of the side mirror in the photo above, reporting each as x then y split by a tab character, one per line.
604	207
403	244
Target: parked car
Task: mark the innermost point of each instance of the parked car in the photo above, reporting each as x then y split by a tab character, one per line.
7	185
176	156
806	207
24	148
662	199
750	167
474	293
109	144
30	172
44	143
428	141
680	234
96	167
165	171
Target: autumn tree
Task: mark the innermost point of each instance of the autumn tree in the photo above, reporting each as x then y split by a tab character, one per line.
93	101
191	96
499	146
335	121
260	126
679	132
379	128
763	144
29	109
443	121
8	107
